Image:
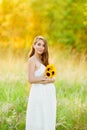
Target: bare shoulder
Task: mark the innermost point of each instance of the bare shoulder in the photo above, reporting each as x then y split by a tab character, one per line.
31	60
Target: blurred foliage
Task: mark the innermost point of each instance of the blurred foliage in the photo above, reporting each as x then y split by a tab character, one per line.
61	22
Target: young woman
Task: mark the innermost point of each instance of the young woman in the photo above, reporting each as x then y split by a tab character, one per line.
41	109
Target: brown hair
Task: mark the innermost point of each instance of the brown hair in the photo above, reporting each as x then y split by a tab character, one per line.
45	55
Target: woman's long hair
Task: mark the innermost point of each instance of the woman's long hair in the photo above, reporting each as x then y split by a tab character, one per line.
45	55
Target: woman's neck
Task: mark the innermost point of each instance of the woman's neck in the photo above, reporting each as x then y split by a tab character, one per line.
38	57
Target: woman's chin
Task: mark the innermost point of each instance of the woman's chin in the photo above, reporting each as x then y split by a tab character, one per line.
40	53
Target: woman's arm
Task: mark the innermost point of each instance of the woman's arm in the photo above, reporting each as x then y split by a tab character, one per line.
31	70
45	81
48	80
39	79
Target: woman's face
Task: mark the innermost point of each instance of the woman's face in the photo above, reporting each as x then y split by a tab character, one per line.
39	47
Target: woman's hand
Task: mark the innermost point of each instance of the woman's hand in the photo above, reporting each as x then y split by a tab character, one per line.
46	80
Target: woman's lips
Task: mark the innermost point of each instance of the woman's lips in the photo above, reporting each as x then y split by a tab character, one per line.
40	50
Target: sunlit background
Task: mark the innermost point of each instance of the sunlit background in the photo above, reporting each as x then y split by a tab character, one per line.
64	25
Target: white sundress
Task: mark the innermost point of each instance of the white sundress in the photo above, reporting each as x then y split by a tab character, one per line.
41	109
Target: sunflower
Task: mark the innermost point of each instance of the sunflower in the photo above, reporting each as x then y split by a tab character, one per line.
48	74
50	67
50	71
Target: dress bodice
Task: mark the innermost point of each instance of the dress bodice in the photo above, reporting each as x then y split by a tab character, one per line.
40	71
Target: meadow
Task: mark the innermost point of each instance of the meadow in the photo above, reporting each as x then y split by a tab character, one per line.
71	92
64	25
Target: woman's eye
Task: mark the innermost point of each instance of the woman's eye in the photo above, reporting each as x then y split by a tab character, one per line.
39	44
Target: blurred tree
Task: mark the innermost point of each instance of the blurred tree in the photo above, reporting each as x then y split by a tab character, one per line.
61	22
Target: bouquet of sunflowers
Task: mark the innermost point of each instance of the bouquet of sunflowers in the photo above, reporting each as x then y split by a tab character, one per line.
50	71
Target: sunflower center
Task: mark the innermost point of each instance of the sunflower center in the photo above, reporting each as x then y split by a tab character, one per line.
48	69
52	72
48	74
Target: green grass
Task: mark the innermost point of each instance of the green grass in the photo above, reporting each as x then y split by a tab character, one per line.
71	106
13	101
71	93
